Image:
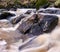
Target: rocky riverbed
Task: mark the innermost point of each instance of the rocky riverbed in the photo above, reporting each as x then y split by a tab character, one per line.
26	30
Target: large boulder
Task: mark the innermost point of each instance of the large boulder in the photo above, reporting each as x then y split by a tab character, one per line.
48	23
37	25
26	25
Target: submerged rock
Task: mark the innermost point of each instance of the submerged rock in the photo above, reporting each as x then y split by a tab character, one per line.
5	23
10	36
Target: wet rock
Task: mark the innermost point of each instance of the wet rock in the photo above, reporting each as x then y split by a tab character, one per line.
38	25
26	25
3	10
36	29
50	10
44	25
28	12
48	23
34	42
17	19
5	23
6	15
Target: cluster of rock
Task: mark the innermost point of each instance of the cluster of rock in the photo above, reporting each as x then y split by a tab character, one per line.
22	30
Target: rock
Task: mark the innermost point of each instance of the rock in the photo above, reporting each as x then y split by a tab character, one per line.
36	42
50	11
6	15
3	10
28	12
36	29
36	25
13	9
45	25
43	43
5	23
48	23
26	25
17	19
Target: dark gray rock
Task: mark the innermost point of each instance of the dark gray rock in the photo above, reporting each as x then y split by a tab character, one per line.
36	29
48	22
50	10
17	19
6	15
38	25
28	12
26	25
